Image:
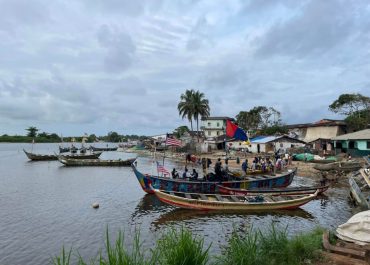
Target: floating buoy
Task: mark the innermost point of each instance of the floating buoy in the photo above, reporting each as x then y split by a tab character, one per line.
95	205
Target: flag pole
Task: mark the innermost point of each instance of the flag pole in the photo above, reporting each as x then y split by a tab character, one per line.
165	147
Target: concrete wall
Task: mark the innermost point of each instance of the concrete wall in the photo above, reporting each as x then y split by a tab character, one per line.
324	132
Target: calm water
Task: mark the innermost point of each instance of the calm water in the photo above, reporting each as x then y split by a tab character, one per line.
44	205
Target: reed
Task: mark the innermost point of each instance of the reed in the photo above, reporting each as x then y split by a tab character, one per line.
181	247
64	258
271	248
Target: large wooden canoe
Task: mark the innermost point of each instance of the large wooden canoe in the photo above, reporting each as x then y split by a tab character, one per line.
95	162
199	201
360	189
273	191
202	186
40	157
343	166
93	148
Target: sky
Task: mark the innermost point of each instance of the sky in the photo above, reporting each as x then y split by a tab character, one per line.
95	66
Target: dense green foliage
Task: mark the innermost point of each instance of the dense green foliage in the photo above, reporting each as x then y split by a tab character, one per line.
181	247
355	107
32	131
273	247
178	132
267	120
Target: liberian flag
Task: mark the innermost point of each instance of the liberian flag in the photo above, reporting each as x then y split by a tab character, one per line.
173	141
162	169
233	131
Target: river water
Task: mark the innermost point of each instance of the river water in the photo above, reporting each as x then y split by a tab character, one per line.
45	205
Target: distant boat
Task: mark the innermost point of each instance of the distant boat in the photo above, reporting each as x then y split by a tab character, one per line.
41	157
148	182
346	166
103	148
199	201
95	162
64	149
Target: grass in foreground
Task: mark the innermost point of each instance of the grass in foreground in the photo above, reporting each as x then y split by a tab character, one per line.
182	247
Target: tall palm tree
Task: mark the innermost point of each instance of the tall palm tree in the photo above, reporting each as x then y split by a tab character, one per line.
185	106
200	107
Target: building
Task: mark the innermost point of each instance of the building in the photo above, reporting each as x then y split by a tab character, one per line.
214	129
266	144
355	144
319	134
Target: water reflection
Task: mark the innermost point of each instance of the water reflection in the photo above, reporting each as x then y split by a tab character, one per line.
177	215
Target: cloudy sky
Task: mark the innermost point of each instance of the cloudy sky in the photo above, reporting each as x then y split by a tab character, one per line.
96	66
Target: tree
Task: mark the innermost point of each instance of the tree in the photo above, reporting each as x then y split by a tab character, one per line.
200	108
185	106
356	107
32	131
180	131
113	137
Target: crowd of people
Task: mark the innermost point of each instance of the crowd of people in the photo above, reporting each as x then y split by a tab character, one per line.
221	170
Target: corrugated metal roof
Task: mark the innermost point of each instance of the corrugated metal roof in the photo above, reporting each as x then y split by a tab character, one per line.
360	135
264	139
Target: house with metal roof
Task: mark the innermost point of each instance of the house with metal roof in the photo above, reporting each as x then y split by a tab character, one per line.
355	144
266	144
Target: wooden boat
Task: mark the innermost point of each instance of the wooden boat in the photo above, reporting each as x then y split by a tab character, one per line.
202	186
360	188
95	162
40	157
273	191
199	201
64	149
103	148
344	252
343	166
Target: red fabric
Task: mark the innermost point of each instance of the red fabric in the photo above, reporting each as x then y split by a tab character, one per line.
230	128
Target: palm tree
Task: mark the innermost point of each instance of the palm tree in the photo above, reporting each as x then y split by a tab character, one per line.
200	107
32	131
185	106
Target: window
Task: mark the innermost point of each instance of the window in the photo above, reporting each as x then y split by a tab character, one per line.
351	144
218	133
368	145
209	124
218	124
209	133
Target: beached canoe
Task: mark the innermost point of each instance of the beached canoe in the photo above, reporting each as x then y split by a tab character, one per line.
95	162
360	188
199	201
203	186
41	157
347	166
273	191
93	148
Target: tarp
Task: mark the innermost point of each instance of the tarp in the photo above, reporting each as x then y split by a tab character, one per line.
303	157
356	229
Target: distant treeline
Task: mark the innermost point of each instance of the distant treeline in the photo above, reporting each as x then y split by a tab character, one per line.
54	138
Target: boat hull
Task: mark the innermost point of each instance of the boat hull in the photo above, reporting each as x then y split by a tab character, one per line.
208	205
273	192
96	162
148	182
39	157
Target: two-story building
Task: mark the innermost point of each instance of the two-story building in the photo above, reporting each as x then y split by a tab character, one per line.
214	129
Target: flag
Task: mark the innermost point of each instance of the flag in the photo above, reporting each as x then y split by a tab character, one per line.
173	141
162	169
233	131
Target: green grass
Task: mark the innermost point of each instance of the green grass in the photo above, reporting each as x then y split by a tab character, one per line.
181	247
271	248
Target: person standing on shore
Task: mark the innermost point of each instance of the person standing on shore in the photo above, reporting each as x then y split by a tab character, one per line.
245	166
204	166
